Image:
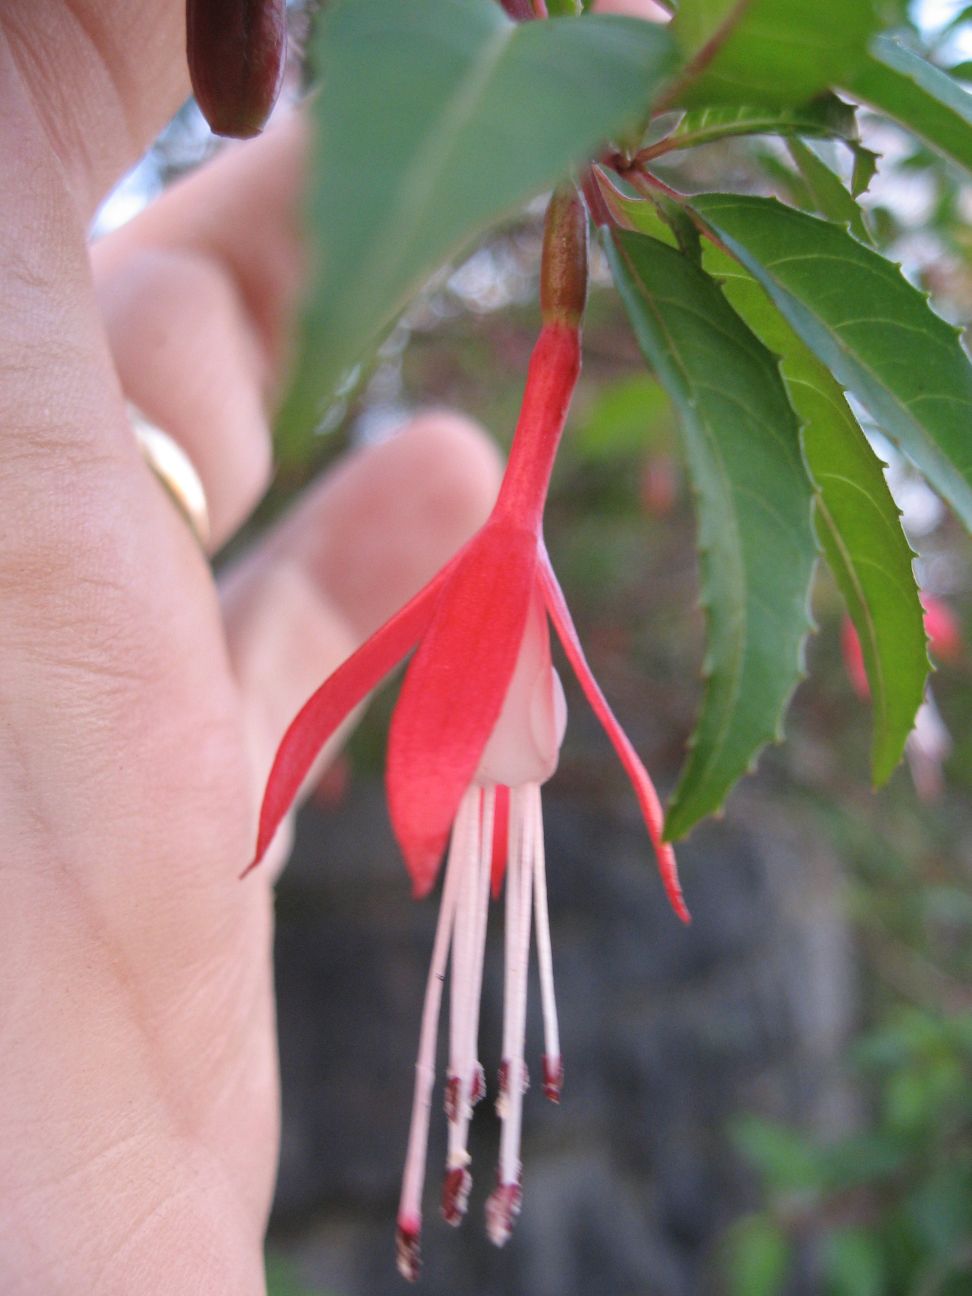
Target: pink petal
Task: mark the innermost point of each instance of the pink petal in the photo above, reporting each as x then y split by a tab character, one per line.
643	786
335	699
454	690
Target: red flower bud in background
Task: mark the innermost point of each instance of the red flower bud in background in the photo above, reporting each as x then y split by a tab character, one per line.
237	52
941	627
929	743
658	487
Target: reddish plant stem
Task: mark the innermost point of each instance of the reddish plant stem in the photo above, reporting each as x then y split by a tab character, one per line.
519	10
658	149
645	182
600	212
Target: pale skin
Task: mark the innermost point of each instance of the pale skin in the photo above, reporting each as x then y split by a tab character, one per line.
140	705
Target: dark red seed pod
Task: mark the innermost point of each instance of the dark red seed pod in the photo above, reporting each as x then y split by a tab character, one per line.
237	51
519	10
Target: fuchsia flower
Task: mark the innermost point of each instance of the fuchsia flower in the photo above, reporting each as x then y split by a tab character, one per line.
476	730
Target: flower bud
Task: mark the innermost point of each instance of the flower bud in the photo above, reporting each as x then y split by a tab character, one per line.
237	51
563	266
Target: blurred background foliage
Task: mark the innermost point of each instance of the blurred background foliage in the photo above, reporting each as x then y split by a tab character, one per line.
885	1207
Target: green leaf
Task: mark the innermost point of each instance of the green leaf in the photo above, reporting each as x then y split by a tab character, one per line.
756	544
758	1257
643	216
828	195
627	418
826	117
857	521
434	120
768	51
788	1161
785	180
853	1263
865	168
920	96
875	333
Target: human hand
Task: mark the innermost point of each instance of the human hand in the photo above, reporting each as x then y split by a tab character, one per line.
140	709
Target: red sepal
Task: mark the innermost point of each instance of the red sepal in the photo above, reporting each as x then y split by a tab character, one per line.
641	781
454	691
335	699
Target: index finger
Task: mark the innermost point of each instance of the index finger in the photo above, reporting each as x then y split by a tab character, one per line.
104	76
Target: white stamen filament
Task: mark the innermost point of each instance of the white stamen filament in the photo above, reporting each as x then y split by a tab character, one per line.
467	973
410	1205
462	927
551	1031
519	891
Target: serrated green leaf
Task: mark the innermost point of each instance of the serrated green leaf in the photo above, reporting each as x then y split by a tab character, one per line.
875	333
825	117
768	51
865	168
756	544
643	216
827	193
857	521
785	180
920	96
433	121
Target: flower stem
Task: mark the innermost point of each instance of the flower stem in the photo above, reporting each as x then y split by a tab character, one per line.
551	378
555	362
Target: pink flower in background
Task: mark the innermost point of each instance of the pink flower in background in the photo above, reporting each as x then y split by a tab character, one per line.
929	744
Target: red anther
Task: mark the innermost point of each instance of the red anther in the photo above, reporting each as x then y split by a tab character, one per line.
455	1195
477	1089
553	1077
503	1076
408	1253
451	1097
502	1209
